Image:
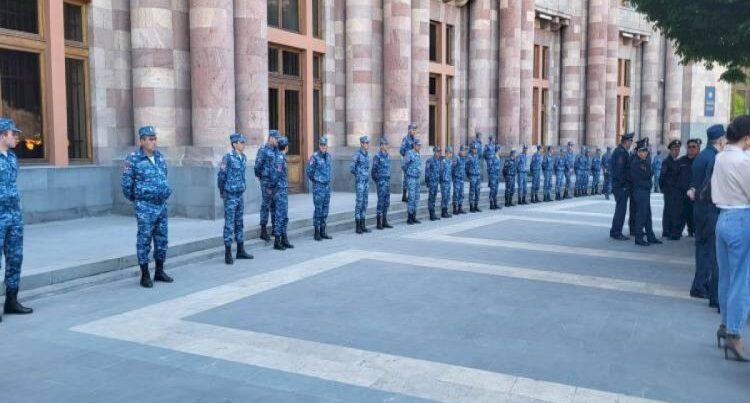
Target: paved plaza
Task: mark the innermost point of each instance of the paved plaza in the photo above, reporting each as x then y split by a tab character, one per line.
526	304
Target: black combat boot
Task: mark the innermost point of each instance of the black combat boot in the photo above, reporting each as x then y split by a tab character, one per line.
444	213
146	277
524	200
476	207
409	219
403	196
471	208
317	234
228	259
277	243
385	220
557	195
363	226
379	222
12	306
520	200
241	252
264	233
324	233
461	209
358	228
566	195
492	205
160	274
455	209
285	241
415	219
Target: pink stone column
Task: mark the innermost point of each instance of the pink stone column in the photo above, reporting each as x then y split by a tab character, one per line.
528	17
420	66
673	94
509	74
480	62
251	68
397	68
596	73
613	48
153	72
359	45
651	91
570	110
212	71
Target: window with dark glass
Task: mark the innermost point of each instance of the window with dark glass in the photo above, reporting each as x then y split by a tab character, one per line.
316	14
450	34
21	93
290	64
433	85
316	67
273	60
78	147
292	120
434	41
273	108
290	15
272	13
19	15
73	22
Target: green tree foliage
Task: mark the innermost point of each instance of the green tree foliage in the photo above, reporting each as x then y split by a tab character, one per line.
716	32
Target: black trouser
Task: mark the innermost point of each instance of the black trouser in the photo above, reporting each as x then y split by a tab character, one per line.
643	225
687	214
672	218
622	193
706	267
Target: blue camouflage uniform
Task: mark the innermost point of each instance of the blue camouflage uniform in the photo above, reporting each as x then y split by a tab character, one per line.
318	170
432	179
560	174
607	172
522	172
478	143
381	175
412	167
360	168
231	183
446	179
582	172
407	143
492	162
145	184
548	165
266	156
536	173
11	220
596	171
277	172
473	172
459	171
656	171
570	157
510	169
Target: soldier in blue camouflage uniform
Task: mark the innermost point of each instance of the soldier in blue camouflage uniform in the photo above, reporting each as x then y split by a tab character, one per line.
360	168
510	169
266	156
432	180
412	167
231	183
446	179
477	141
548	164
144	182
319	172
280	188
473	172
493	170
381	175
407	144
570	156
656	170
459	171
607	171
522	170
582	172
536	173
561	168
11	221
596	170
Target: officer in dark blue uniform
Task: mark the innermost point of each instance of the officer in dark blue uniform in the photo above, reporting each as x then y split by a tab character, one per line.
621	185
671	220
706	214
266	157
686	172
381	175
319	172
231	183
144	182
11	221
640	176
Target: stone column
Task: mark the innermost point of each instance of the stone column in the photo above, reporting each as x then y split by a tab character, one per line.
152	44
358	70
527	70
509	74
420	66
596	73
212	71
397	68
251	68
651	91
181	59
570	112
613	48
673	94
480	62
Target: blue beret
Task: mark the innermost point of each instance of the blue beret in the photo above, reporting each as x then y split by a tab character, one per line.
274	133
383	141
236	138
716	131
364	139
8	124
436	149
283	141
462	148
323	141
449	149
146	131
473	146
412	126
628	136
417	142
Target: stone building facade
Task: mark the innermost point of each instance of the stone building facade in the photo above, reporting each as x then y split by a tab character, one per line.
525	71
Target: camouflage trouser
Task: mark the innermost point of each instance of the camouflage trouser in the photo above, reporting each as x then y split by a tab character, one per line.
267	203
384	196
536	179
152	226
580	180
568	180
432	191
510	187
360	206
445	194
412	186
522	178
11	244
595	180
548	183
458	191
321	200
607	186
474	190
493	181
281	211
560	178
234	209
